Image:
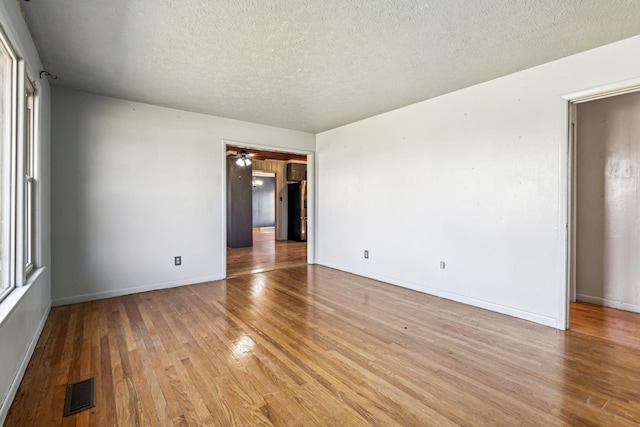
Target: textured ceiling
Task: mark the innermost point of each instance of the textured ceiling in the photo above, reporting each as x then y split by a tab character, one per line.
309	65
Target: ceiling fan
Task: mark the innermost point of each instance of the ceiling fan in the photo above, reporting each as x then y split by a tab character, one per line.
243	158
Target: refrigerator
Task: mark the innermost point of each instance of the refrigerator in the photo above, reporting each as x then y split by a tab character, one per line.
297	218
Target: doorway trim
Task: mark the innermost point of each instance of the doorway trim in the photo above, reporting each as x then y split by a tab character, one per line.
568	165
311	195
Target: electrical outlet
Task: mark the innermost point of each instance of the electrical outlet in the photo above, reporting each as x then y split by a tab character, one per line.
177	260
441	265
366	254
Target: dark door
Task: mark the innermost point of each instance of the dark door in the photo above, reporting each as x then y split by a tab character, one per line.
239	205
297	211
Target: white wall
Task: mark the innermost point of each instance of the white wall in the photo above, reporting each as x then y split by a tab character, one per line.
608	207
24	312
135	185
475	178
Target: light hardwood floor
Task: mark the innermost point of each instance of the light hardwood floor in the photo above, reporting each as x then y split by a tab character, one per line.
266	254
309	346
609	324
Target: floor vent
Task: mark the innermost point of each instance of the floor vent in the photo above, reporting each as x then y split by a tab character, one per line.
80	396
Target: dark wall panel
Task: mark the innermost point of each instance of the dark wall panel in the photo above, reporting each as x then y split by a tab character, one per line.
239	205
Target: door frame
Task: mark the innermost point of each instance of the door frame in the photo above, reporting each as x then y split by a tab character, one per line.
311	195
271	174
568	166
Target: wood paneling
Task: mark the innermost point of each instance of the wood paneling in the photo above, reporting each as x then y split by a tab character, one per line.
265	254
311	346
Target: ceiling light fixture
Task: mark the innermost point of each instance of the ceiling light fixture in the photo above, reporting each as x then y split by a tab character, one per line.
243	159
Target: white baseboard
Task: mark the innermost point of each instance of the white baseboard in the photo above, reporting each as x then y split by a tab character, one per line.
514	312
4	409
608	303
132	290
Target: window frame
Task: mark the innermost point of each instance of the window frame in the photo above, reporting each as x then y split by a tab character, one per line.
29	171
10	174
19	168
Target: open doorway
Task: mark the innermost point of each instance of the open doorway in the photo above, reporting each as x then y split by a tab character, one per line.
604	216
259	206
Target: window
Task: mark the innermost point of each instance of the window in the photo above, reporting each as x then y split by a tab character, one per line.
8	66
29	178
18	160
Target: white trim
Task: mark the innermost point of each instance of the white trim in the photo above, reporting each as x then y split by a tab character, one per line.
223	203
311	194
562	321
19	277
132	290
606	91
608	303
12	300
11	394
12	163
38	201
262	173
503	309
28	120
591	94
571	203
312	235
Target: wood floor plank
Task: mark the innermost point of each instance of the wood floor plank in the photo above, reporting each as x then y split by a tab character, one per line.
266	254
309	345
362	373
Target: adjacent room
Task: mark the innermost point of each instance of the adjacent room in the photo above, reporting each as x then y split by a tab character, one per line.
266	210
319	213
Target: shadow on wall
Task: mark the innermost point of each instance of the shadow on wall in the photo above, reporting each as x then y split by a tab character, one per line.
608	209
